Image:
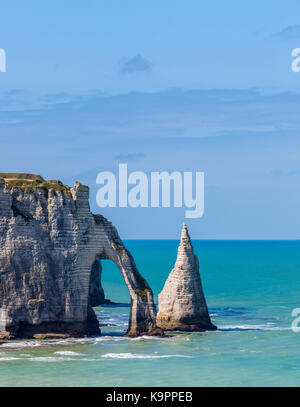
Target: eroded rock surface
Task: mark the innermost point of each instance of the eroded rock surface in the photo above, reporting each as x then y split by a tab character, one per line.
182	305
49	242
96	292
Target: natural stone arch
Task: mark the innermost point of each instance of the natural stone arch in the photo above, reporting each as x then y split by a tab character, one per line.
99	239
49	240
143	310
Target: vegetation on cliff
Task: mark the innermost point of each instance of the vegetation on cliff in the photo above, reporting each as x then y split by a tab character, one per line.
31	182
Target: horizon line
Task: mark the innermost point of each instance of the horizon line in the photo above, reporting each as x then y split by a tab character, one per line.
222	240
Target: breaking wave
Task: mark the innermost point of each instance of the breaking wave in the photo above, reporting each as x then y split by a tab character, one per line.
139	356
68	353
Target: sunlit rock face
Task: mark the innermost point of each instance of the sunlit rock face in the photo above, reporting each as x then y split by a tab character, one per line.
49	243
182	305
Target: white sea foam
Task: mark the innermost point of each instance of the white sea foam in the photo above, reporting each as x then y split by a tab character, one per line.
54	342
146	337
24	344
6	358
251	351
67	353
73	341
126	338
50	359
110	338
139	356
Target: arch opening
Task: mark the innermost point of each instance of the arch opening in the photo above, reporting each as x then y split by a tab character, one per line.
140	297
107	245
107	285
109	297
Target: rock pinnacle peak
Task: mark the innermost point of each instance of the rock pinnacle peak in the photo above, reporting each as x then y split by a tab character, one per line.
185	240
182	305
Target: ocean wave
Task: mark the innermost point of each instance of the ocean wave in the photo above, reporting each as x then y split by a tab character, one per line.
113	321
117	338
62	342
139	356
230	311
109	338
50	359
265	327
6	358
54	342
67	353
251	351
24	344
151	338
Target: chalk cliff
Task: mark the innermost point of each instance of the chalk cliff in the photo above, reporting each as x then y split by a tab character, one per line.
51	246
182	305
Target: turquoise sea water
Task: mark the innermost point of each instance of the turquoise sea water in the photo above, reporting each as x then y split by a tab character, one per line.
251	288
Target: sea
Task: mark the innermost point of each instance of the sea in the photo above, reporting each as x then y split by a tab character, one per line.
251	288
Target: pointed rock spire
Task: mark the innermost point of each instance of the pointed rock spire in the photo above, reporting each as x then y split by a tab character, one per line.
185	240
182	305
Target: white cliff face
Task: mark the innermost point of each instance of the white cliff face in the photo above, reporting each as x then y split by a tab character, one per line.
49	241
182	305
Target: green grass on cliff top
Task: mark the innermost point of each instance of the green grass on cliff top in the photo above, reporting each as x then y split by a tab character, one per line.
31	182
19	175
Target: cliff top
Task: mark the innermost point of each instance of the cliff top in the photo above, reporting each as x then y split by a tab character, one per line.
31	182
19	175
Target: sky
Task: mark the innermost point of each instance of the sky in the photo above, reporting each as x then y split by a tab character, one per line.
172	85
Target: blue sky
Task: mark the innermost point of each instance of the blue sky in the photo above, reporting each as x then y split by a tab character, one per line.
197	86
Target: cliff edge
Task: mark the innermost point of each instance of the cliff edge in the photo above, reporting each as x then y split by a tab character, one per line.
51	246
